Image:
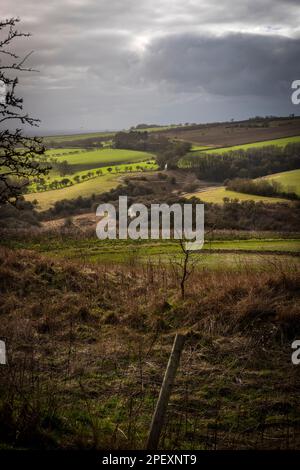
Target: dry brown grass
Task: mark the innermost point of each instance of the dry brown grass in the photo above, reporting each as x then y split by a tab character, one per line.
87	347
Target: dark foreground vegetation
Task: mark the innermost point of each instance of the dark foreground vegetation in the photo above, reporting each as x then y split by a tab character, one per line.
86	360
232	215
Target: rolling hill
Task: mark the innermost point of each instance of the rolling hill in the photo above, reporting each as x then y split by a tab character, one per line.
236	133
290	181
216	196
99	157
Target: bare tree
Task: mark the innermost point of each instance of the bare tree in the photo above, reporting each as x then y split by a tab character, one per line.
187	267
188	261
20	156
184	266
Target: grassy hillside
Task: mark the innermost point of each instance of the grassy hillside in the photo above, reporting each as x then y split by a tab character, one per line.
97	185
90	355
237	133
90	323
56	139
288	180
100	157
83	166
216	196
91	173
217	255
278	142
69	137
214	134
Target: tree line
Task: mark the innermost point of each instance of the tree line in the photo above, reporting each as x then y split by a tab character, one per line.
261	187
250	163
168	152
140	140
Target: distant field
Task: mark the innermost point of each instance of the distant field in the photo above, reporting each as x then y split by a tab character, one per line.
122	168
155	129
92	173
278	142
212	135
53	152
96	135
100	157
70	137
288	179
96	185
237	133
84	164
200	147
216	196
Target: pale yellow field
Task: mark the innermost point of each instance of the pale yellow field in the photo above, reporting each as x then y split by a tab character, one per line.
97	185
290	180
216	195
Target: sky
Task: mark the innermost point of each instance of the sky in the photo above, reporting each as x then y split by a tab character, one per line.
111	64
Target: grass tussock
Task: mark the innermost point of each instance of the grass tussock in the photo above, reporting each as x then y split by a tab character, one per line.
88	344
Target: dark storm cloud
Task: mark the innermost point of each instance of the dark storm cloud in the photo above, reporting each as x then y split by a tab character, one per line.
233	65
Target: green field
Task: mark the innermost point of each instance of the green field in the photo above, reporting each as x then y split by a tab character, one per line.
278	142
84	165
216	196
62	151
92	173
100	157
156	129
96	185
69	137
84	160
290	180
224	262
213	256
123	168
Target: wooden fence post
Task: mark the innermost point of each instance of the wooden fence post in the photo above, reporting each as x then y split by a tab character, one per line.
3	358
165	392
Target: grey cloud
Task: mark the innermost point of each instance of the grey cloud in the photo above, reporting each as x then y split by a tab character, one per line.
111	63
65	18
233	65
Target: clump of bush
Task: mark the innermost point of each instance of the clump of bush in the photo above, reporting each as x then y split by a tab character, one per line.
261	187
